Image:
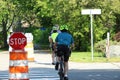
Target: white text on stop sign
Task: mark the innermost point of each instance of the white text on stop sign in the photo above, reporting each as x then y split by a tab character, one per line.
17	41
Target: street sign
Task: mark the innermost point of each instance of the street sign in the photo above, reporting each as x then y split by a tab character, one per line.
17	41
90	11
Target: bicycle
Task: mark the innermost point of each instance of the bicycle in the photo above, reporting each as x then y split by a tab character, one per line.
61	66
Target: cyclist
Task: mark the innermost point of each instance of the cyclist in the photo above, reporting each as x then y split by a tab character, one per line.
52	38
63	42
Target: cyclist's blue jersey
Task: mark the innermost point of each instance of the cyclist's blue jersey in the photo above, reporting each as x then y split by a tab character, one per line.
64	38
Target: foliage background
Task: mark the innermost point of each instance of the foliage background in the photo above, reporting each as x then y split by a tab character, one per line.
46	13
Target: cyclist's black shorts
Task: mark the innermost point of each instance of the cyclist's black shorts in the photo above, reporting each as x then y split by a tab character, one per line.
63	50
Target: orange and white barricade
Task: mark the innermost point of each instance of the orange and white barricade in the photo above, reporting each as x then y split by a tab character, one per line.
18	66
29	47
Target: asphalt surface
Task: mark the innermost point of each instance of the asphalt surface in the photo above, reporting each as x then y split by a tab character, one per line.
41	69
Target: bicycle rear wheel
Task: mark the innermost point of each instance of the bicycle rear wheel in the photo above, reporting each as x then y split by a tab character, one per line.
61	71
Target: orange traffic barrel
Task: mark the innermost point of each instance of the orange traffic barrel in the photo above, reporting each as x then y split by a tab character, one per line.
18	66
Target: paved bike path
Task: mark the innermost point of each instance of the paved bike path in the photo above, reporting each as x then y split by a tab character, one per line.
42	69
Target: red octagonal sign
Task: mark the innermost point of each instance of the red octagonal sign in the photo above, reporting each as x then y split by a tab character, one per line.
17	41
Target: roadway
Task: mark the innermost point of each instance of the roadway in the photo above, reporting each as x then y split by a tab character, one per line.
41	69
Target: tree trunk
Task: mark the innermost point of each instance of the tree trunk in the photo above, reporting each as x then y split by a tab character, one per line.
4	33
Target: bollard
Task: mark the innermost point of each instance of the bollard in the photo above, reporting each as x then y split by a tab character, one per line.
29	47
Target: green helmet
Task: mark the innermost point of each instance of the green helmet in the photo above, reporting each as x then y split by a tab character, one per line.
64	27
54	28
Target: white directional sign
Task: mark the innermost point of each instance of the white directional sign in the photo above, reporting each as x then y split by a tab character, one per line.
91	12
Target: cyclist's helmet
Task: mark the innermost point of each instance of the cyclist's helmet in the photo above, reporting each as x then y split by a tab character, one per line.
54	28
63	27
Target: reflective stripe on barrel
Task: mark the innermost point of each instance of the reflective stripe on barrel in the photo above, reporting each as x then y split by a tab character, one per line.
18	76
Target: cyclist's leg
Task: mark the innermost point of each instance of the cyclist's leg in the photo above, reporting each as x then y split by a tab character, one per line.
58	52
53	55
66	68
66	59
58	58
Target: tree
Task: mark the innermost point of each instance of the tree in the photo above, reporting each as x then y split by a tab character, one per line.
46	13
6	19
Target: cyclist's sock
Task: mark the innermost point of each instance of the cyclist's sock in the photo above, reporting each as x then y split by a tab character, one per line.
65	75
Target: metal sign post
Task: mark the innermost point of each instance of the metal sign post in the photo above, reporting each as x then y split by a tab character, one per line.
91	12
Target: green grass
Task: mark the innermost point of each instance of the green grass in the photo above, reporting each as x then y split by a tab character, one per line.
86	57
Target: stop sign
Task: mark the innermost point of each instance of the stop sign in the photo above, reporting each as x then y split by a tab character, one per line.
17	41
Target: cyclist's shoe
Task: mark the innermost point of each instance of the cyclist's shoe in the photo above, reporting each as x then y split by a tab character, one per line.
56	66
61	74
65	78
53	63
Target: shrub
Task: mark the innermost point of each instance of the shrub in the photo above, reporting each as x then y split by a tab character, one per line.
101	46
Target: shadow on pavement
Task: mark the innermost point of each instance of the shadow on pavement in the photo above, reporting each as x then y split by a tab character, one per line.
41	73
42	51
37	73
42	63
95	74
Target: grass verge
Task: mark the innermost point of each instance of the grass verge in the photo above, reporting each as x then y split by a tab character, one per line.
86	57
